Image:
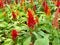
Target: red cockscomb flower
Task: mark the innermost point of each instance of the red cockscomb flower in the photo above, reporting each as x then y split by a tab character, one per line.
35	7
37	19
14	15
14	34
59	9
11	6
31	21
46	8
5	1
31	43
8	1
55	20
1	4
16	1
58	3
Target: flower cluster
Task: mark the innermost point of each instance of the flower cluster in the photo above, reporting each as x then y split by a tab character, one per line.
58	3
46	8
1	4
14	34
14	15
31	21
55	20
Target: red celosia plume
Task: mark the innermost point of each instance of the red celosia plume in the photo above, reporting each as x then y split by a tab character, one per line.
5	1
35	7
31	43
16	1
46	8
37	19
31	21
55	20
59	10
11	6
1	4
14	34
14	15
58	3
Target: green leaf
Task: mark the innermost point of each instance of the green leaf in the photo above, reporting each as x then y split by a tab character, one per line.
8	42
42	41
3	24
1	39
56	42
1	16
27	41
23	19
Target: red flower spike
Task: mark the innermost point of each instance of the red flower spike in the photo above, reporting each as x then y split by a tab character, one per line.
31	33
14	15
58	3
8	1
25	8
11	6
1	4
14	34
37	19
31	44
16	1
31	21
4	14
5	1
35	7
46	8
55	20
59	9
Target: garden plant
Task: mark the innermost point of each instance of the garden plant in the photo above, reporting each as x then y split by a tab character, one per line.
29	22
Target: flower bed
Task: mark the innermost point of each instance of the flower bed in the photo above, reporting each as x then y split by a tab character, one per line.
30	22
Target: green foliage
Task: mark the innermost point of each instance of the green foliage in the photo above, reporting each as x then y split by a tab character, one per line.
42	34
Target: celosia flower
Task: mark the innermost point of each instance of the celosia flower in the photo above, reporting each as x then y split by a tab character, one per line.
17	12
37	20
31	21
11	6
58	3
14	34
14	15
1	4
35	7
8	1
55	20
59	9
46	8
22	2
4	14
24	8
31	33
31	43
16	1
5	1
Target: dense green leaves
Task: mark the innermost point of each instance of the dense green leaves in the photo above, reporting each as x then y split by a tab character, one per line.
27	41
42	41
8	42
41	34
